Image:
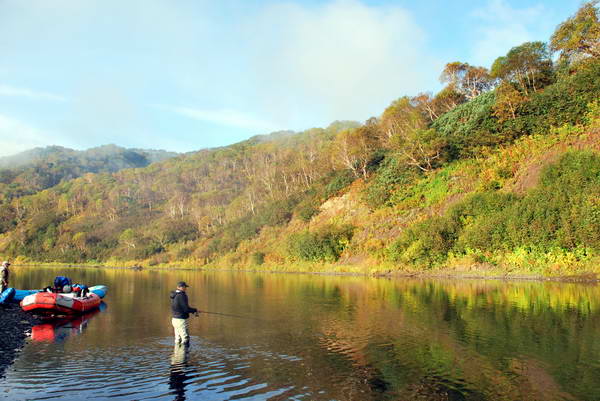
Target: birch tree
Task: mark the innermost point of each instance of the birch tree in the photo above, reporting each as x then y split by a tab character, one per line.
579	36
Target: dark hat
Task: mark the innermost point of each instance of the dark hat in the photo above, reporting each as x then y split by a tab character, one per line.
182	284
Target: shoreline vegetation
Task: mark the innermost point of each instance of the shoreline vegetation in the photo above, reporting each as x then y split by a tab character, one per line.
498	174
475	272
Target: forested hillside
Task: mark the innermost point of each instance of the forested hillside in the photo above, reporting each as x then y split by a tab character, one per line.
499	170
32	171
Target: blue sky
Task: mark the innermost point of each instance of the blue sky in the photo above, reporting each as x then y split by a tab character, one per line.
183	75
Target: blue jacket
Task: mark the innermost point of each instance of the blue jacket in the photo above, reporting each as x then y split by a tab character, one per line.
179	305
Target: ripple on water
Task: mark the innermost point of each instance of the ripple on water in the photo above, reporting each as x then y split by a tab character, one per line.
158	372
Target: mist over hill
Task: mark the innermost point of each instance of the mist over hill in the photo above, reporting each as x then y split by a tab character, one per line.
41	168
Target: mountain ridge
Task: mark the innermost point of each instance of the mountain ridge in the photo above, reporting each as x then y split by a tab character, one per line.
41	168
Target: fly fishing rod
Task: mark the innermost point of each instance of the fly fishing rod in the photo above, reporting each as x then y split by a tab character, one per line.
229	315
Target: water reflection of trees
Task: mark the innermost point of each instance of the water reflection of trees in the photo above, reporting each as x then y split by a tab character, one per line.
358	338
482	340
432	340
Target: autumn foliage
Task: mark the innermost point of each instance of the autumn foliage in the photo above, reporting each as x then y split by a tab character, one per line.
297	197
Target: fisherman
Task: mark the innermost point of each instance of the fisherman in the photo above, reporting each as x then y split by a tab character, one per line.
181	312
4	274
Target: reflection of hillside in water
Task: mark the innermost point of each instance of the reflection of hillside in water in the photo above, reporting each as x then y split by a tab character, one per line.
328	337
60	329
470	340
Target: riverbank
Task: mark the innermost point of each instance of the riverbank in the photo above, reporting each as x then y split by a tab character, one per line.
585	274
15	327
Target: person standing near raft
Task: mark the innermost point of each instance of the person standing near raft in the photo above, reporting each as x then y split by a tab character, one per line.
181	310
4	275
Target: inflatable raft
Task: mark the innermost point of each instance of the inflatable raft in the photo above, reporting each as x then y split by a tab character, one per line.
21	294
7	295
58	303
99	290
16	296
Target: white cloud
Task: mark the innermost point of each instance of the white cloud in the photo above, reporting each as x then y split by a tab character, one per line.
231	118
6	90
501	27
17	136
258	66
338	60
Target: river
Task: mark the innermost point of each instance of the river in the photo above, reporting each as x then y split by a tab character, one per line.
308	337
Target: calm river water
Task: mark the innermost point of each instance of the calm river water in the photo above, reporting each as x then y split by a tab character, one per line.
301	337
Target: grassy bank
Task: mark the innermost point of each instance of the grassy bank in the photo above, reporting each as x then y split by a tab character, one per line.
586	272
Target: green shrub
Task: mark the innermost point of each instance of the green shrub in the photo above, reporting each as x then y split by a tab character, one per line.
176	230
564	210
562	213
425	190
258	258
424	244
564	102
307	209
275	213
390	175
338	181
326	244
470	126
